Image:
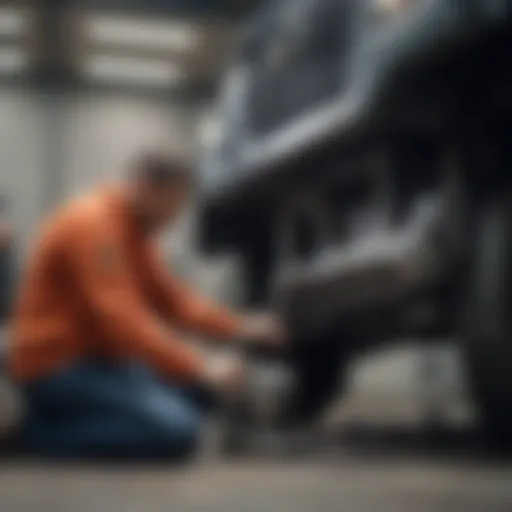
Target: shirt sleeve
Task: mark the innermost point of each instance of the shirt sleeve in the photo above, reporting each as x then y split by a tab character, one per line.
186	308
114	304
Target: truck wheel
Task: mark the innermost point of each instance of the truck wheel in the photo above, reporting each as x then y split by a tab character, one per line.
487	333
319	371
319	368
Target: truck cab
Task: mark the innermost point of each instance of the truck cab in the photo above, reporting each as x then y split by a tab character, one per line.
362	175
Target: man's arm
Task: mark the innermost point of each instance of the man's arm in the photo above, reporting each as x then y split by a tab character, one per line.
118	312
186	308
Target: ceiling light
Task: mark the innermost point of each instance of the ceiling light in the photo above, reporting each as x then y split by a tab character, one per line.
394	7
12	59
391	5
141	33
135	71
12	21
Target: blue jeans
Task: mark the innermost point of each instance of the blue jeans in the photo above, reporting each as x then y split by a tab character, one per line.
97	409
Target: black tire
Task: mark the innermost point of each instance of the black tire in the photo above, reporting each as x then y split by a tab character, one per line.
487	334
319	376
318	364
319	367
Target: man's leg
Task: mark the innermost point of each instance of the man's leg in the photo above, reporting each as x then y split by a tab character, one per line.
98	409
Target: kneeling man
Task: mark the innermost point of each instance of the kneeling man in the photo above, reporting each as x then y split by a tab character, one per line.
93	346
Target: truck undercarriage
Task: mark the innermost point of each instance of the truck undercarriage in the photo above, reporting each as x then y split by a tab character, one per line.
392	215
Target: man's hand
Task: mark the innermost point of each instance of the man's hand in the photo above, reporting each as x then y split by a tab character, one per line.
225	373
264	328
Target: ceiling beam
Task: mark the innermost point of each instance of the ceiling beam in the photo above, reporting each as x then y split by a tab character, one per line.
211	9
51	40
55	45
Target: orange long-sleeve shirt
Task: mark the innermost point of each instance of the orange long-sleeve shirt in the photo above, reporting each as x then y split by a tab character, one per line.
95	286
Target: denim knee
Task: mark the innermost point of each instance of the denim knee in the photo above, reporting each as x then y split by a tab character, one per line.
180	434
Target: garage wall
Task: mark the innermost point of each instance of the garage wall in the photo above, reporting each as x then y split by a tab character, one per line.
53	147
22	158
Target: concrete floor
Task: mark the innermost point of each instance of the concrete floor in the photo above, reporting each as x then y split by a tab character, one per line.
329	482
352	486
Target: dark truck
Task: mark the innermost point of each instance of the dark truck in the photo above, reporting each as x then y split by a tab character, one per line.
363	174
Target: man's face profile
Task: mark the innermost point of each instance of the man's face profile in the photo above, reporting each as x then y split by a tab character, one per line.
163	203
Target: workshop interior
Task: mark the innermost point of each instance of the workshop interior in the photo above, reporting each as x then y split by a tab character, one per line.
350	161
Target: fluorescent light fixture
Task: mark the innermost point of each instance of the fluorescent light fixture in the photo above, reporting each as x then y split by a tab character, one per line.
390	5
140	33
133	71
13	21
393	6
12	59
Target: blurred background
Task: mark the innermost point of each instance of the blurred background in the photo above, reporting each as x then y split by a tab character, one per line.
84	85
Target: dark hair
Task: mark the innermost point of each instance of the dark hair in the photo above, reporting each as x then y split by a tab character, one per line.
161	169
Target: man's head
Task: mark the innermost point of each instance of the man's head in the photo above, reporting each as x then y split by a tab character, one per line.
160	187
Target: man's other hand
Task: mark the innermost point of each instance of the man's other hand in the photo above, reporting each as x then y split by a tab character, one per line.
226	373
264	328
